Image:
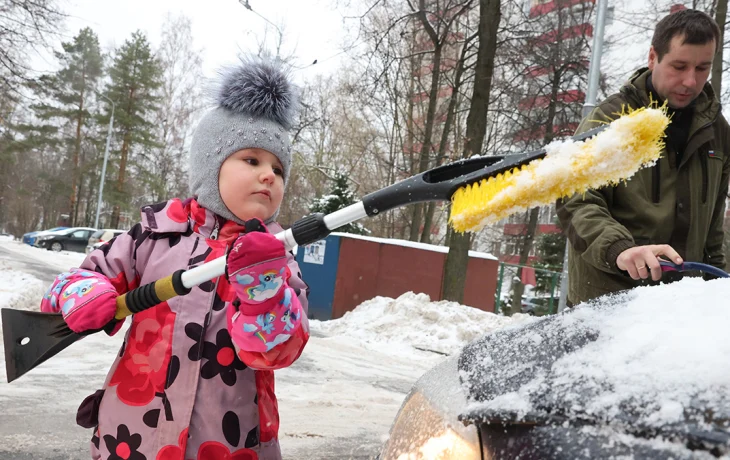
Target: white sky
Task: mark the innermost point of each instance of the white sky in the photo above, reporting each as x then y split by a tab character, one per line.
222	28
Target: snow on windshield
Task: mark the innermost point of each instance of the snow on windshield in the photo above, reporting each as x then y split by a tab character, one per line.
656	353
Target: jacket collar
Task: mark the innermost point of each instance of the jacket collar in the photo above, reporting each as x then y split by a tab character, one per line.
177	216
706	106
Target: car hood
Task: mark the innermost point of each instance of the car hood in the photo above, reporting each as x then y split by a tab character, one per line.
649	362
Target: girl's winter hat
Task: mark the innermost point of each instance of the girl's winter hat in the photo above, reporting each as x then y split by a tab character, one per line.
256	104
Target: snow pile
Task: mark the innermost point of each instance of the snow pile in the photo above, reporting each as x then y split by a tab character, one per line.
20	290
656	353
413	321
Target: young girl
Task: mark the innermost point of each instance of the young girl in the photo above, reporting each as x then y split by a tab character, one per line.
194	378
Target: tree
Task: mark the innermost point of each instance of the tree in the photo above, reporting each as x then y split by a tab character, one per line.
180	102
339	197
550	249
135	75
68	95
476	128
24	24
717	64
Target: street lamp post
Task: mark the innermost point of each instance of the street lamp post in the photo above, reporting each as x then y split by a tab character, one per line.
593	80
106	157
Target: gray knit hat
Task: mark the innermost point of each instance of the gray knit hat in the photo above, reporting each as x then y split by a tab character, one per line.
256	104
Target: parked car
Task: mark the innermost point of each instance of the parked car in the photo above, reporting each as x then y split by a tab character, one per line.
637	374
100	237
539	306
70	239
30	237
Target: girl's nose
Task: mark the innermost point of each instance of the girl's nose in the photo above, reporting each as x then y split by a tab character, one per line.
268	176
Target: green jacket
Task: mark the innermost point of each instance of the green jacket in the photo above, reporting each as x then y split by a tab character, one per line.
680	205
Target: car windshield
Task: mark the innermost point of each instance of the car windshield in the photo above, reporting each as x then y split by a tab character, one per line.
653	357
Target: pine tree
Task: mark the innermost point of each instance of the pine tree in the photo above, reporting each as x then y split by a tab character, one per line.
135	76
67	95
339	197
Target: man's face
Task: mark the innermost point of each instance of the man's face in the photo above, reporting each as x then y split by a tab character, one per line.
682	73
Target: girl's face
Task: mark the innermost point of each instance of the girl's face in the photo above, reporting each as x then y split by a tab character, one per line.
251	184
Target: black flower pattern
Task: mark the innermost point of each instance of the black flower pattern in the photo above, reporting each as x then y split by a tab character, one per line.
221	359
124	446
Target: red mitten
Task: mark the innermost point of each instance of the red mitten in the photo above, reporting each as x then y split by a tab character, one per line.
87	300
257	268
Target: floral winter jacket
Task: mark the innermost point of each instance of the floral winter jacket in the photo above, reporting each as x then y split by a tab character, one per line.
177	390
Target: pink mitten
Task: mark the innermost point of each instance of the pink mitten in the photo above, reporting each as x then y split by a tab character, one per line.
268	311
86	299
257	268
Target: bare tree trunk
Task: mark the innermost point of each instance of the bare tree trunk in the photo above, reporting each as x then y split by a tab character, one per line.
425	157
450	116
717	64
122	167
476	128
73	205
518	287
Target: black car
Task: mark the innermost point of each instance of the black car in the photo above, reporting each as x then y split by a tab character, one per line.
70	239
638	374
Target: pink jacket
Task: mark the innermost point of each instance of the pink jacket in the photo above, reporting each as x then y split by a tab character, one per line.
178	390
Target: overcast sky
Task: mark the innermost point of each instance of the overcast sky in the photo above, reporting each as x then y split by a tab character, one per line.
313	28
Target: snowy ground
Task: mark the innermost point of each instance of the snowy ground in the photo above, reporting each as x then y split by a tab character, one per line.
336	402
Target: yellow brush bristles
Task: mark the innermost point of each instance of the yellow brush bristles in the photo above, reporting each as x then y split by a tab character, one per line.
632	141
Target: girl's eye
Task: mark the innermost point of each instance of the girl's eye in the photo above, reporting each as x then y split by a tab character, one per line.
278	171
251	161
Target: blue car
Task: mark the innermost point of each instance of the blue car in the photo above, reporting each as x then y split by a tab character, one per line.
30	237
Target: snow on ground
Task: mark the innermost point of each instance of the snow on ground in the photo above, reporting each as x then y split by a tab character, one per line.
336	402
61	261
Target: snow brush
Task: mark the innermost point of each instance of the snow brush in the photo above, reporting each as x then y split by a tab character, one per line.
633	140
482	190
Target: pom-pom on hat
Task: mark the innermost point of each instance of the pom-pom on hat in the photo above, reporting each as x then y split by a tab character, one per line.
255	108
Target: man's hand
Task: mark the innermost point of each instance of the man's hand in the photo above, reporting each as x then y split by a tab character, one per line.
640	261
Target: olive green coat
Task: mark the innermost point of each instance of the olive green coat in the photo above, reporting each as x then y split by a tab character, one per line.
682	205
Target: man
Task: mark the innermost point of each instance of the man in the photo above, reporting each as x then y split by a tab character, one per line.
674	210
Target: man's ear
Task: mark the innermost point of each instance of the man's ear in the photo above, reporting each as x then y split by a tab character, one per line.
653	58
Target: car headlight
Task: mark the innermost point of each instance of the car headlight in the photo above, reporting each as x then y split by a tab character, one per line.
44	238
428	429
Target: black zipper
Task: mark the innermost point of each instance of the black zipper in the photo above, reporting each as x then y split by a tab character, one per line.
705	179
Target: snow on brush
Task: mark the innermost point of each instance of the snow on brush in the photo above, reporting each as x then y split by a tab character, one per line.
657	353
413	321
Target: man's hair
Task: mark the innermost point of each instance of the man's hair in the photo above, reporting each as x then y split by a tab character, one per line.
697	28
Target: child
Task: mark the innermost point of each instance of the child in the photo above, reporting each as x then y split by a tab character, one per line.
194	378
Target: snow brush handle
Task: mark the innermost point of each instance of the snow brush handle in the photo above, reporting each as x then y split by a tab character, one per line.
304	231
686	266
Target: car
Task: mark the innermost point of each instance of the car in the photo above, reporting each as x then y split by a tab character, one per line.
100	237
539	306
70	239
642	373
30	237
